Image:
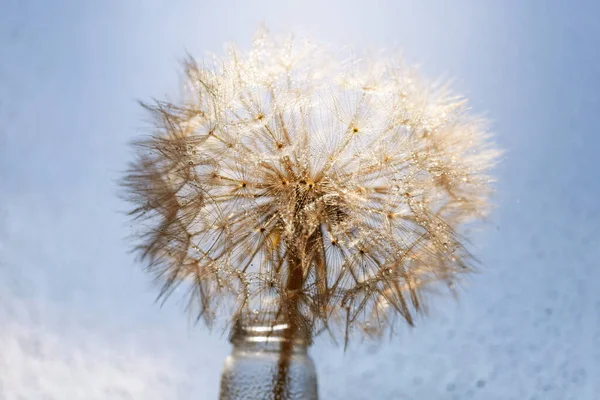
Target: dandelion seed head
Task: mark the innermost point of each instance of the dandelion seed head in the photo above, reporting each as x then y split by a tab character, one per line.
289	182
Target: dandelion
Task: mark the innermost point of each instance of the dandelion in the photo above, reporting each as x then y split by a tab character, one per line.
329	193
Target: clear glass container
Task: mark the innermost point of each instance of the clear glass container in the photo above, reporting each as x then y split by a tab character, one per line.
253	371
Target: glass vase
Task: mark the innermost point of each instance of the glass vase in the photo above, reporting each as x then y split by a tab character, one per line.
268	363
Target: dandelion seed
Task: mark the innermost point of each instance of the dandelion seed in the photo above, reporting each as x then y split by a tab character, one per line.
339	200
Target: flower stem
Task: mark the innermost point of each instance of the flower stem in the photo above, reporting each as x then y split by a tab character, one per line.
292	317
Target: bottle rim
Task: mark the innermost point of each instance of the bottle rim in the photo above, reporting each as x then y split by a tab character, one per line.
267	327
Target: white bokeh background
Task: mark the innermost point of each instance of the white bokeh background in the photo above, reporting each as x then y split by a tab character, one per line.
77	316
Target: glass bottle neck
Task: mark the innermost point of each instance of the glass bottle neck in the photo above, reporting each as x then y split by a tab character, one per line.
267	333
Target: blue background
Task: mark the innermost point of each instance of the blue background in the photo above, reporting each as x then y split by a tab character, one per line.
77	316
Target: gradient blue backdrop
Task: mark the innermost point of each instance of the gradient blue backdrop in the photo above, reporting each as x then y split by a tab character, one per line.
77	315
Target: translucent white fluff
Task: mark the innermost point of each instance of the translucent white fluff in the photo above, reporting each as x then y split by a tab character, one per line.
291	181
